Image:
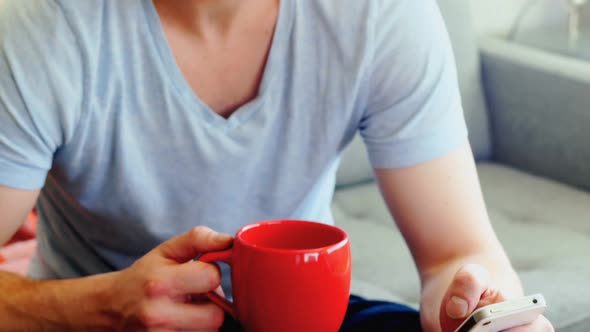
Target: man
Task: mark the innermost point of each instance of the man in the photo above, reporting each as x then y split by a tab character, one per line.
133	121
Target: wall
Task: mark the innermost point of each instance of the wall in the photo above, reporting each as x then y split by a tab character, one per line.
497	16
494	17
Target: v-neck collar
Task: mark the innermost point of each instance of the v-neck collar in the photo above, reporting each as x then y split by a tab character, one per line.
175	75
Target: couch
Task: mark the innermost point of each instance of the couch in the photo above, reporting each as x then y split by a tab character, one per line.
528	113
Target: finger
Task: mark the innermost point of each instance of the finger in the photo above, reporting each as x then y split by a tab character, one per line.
193	277
541	324
467	288
188	245
491	296
200	298
183	316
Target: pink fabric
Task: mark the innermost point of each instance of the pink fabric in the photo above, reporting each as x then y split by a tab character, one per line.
16	255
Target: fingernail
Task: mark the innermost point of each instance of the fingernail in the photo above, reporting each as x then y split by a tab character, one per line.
457	307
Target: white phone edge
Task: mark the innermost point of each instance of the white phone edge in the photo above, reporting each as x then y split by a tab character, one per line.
507	314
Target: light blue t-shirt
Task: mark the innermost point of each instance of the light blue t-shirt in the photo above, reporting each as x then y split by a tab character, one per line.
94	109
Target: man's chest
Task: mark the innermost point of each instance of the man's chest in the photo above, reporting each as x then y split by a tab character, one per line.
167	161
224	71
223	80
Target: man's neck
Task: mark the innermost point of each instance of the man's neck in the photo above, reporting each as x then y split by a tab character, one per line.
203	17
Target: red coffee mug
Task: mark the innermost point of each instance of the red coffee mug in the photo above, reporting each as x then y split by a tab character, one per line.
287	276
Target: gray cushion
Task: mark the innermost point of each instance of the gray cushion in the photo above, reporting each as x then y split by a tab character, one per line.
355	168
542	224
539	107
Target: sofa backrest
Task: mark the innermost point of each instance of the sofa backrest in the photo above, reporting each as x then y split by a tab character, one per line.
355	168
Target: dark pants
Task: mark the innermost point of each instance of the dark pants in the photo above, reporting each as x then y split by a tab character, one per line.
366	316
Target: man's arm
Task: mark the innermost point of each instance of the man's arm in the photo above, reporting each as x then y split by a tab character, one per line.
440	211
76	304
30	305
151	294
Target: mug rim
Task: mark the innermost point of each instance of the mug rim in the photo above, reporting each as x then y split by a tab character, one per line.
332	247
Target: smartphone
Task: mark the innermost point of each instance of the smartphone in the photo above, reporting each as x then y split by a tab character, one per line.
504	315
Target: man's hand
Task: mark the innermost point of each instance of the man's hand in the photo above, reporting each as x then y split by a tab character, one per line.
159	292
156	293
470	290
439	208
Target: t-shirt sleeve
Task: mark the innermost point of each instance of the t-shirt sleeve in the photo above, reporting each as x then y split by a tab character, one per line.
40	89
413	112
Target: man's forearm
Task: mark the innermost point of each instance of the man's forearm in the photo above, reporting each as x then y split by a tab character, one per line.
436	282
56	305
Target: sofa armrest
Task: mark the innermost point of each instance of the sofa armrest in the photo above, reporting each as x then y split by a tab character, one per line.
539	110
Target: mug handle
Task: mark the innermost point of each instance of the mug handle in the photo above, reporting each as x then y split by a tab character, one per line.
219	256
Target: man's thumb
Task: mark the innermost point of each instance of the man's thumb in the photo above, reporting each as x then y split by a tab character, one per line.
469	284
